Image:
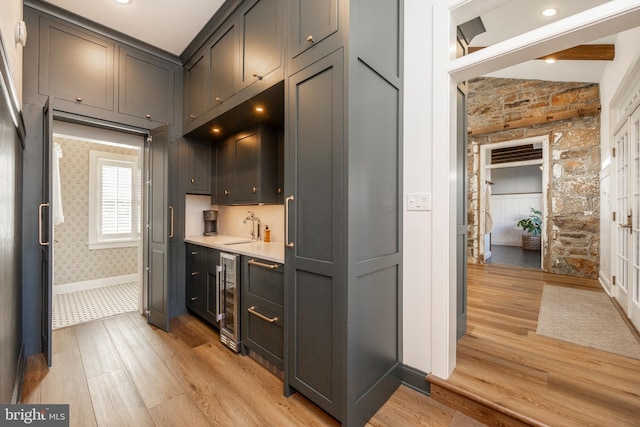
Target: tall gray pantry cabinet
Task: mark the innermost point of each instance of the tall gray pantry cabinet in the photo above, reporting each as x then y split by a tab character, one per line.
343	204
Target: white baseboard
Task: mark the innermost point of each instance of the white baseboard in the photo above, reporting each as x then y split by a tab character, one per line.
96	283
605	283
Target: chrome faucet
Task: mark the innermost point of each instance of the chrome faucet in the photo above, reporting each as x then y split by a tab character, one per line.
254	219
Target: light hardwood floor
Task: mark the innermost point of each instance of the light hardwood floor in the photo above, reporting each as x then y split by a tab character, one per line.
502	361
122	372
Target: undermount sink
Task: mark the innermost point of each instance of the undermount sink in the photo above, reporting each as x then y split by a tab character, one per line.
237	242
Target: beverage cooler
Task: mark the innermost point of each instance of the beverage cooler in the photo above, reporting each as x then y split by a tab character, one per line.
229	300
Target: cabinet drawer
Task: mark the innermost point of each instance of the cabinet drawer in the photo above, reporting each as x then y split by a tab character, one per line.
264	332
265	280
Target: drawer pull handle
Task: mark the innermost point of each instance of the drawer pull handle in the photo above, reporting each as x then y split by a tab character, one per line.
195	273
263	265
194	253
310	39
78	99
195	298
253	311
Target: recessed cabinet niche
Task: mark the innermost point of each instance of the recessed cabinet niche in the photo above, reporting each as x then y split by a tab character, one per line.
245	169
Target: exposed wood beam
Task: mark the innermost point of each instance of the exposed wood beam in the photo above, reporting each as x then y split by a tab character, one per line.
584	52
530	121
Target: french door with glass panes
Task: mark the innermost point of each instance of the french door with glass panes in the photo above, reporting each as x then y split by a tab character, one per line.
626	288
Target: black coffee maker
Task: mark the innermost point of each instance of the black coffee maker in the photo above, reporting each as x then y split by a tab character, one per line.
210	222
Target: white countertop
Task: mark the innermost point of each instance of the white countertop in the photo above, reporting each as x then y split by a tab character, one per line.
271	251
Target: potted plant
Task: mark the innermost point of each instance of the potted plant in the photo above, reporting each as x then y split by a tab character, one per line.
533	226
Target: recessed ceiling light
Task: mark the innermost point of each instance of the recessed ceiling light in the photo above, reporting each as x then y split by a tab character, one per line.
550	12
550	60
259	109
216	130
123	1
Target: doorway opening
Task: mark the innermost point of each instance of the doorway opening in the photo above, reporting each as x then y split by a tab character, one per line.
97	233
513	183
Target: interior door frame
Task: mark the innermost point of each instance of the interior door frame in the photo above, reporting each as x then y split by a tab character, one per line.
447	71
482	176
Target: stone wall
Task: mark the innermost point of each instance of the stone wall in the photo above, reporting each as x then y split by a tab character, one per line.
572	226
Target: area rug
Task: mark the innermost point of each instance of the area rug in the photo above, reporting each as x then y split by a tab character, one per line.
586	318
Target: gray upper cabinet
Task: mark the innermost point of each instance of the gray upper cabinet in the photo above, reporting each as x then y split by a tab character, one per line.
246	168
75	66
198	176
261	49
146	87
196	87
223	54
311	23
223	173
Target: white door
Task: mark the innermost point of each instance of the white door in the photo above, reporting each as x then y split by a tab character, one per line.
634	236
626	289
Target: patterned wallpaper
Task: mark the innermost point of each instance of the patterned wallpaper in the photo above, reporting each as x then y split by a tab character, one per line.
73	261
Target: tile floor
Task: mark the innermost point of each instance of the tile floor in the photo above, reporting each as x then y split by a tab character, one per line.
83	306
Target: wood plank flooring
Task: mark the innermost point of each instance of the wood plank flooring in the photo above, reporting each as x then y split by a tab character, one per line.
502	361
123	372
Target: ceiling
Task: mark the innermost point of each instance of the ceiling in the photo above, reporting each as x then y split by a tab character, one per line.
171	24
167	24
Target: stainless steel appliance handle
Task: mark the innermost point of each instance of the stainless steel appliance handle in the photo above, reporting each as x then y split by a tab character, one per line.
171	227
253	311
42	205
218	273
287	243
263	265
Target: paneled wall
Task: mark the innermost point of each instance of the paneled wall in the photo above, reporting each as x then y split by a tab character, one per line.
506	211
573	222
73	261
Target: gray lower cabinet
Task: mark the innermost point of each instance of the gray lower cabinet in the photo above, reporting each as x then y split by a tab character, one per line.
76	65
146	87
262	316
200	283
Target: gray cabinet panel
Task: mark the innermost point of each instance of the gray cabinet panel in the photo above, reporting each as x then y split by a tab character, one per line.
317	140
375	329
146	87
311	22
315	346
314	282
380	33
75	65
194	281
261	49
375	163
196	87
223	178
223	55
198	177
247	161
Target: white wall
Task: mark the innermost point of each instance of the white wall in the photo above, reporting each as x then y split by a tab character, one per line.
507	210
417	178
10	14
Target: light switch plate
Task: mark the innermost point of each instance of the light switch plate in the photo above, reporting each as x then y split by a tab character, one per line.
419	201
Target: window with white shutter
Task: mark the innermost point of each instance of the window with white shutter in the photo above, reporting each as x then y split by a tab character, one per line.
113	201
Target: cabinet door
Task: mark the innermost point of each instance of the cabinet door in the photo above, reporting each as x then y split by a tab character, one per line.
224	164
76	66
247	168
146	87
199	170
311	22
196	87
223	54
261	49
314	261
194	279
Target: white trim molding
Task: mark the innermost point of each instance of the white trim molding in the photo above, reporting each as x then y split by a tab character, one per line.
95	283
